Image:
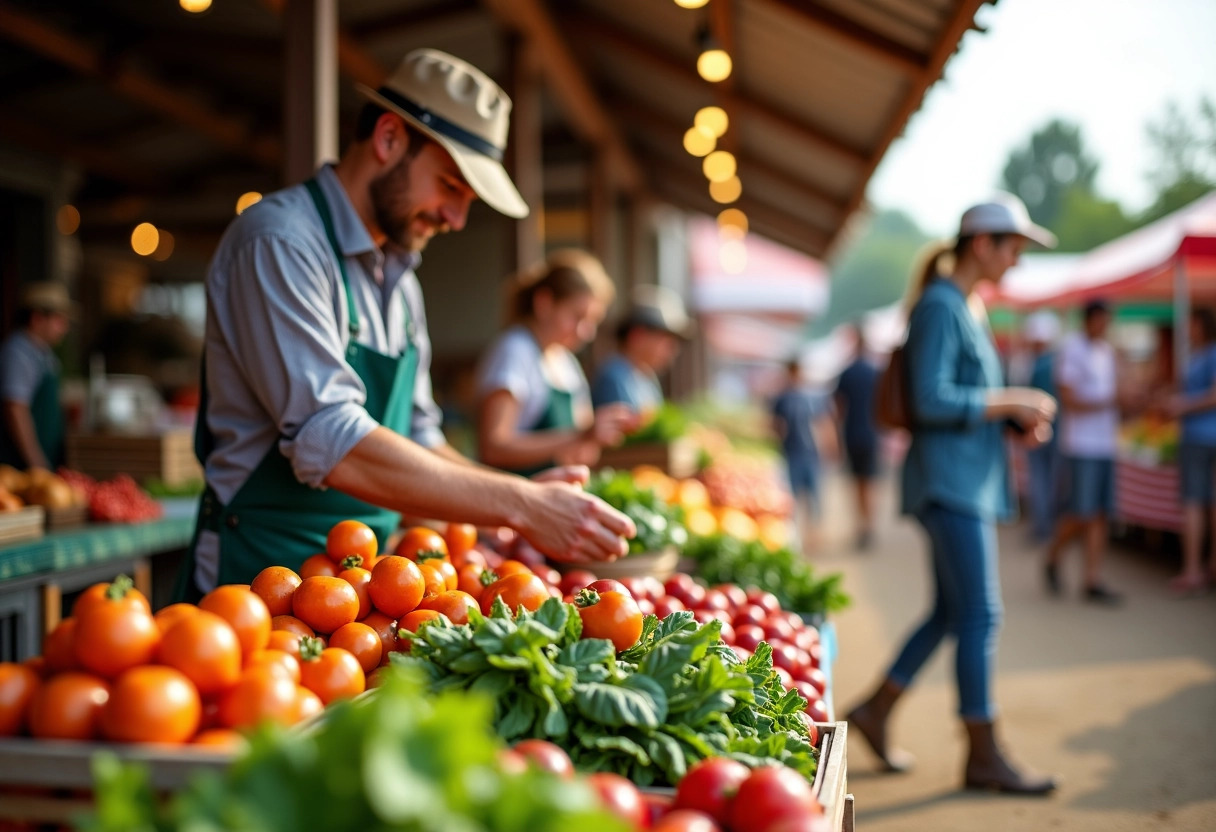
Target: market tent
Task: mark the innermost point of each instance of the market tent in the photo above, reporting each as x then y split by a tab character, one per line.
1035	277
1176	252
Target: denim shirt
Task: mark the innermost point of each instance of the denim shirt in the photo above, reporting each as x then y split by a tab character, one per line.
957	458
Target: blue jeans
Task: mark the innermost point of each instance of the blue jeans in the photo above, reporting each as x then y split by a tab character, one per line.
1043	499
967	606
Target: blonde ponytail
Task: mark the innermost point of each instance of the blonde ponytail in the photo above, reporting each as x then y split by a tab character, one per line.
564	273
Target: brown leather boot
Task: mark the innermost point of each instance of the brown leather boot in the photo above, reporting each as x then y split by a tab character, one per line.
988	768
870	719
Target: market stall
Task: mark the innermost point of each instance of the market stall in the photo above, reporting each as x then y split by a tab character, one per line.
1169	262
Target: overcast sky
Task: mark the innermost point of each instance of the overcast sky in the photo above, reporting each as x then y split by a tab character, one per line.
1110	65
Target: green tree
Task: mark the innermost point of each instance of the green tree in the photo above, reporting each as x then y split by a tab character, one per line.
1052	163
872	271
1184	164
1087	220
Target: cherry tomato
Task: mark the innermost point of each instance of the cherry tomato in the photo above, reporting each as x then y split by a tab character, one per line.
709	786
358	576
734	594
278	661
620	797
420	544
610	615
362	642
330	672
291	624
748	636
170	615
454	605
460	539
324	603
608	585
261	694
516	590
546	756
767	600
769	795
749	614
205	649
666	605
574	580
245	612
114	635
275	585
321	564
715	601
778	629
121	588
396	586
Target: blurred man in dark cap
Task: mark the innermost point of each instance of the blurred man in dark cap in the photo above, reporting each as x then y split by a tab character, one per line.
32	427
649	338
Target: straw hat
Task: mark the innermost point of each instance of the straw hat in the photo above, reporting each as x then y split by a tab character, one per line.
459	107
48	296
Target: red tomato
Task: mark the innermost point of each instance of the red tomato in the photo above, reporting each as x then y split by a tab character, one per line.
727	633
18	687
666	605
350	537
685	820
546	756
686	589
611	615
785	656
515	590
807	691
657	805
714	601
709	786
818	711
608	585
767	600
749	614
748	636
575	580
735	595
779	629
645	605
620	797
769	795
152	704
742	652
814	676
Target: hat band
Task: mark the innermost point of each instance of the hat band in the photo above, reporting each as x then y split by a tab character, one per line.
442	126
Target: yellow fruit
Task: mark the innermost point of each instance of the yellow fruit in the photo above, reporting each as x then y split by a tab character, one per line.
692	494
736	523
701	521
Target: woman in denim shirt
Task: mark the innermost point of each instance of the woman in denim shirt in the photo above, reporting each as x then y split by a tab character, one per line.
956	483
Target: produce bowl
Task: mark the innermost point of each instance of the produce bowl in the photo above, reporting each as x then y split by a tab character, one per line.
660	564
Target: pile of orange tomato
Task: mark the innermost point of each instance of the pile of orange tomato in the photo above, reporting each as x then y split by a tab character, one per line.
278	649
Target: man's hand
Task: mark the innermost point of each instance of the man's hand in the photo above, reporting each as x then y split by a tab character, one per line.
573	474
567	524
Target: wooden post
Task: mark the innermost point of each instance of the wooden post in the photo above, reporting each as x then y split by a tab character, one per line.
527	159
310	84
52	607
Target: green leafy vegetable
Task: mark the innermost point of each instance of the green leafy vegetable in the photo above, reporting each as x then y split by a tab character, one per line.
675	697
659	524
667	423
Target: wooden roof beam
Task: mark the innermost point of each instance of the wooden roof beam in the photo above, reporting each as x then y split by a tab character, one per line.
598	29
353	60
399	23
69	50
947	44
840	27
570	85
90	156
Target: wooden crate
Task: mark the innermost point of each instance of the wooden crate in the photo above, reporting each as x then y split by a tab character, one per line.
23	524
66	518
168	456
677	458
831	779
51	781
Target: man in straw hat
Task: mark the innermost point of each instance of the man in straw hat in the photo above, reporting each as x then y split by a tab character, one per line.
649	337
317	403
31	432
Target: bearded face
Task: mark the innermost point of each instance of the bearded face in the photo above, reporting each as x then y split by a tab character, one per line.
398	202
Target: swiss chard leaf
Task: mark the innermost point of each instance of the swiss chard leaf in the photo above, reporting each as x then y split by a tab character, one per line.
615	705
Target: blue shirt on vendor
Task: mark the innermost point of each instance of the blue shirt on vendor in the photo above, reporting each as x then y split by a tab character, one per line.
621	381
1199	428
649	337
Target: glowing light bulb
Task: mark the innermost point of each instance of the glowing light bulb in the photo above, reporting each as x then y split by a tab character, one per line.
714	65
195	6
733	256
698	141
67	220
732	218
726	191
719	166
691	4
144	239
712	119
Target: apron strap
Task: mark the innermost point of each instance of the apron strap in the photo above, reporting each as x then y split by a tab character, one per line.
322	204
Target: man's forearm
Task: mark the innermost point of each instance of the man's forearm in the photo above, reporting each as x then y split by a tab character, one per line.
21	428
388	470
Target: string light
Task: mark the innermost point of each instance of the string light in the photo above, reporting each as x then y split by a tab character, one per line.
144	239
198	6
727	191
67	220
247	199
714	65
691	4
719	166
164	247
713	120
733	218
733	256
699	141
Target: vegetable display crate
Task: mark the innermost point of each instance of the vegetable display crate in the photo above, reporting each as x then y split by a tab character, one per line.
23	524
677	458
51	781
167	456
66	518
831	778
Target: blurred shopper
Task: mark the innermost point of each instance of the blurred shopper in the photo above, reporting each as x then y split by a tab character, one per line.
855	408
1041	331
317	390
32	430
955	482
648	339
802	420
1087	378
534	402
1196	406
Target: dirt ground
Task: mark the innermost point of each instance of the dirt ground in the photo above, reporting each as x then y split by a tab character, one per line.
1120	703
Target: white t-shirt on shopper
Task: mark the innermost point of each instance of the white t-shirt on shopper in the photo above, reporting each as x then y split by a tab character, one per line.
1088	369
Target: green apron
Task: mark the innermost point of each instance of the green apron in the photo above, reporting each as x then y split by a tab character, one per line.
274	519
49	426
558	415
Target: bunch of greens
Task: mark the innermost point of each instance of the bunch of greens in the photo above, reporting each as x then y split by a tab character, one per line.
659	524
666	424
161	490
676	697
394	760
721	558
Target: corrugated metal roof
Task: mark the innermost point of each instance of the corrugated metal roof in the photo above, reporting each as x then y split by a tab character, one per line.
819	91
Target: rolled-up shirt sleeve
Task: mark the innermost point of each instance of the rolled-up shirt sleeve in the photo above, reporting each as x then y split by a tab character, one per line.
282	326
933	350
